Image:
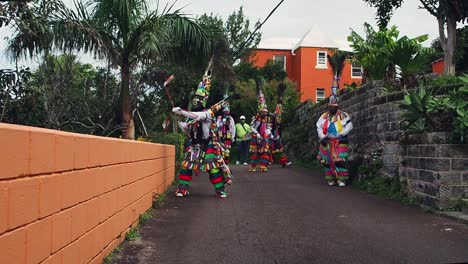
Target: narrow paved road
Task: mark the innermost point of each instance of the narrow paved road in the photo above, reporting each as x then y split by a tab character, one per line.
291	216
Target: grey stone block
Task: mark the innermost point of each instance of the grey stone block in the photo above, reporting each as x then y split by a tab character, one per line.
414	150
458	192
460	164
449	178
454	151
427	176
437	164
424	188
428	151
465	177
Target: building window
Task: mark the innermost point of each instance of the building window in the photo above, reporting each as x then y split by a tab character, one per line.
281	59
320	96
321	60
356	71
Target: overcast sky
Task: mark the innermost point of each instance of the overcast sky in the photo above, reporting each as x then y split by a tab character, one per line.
331	18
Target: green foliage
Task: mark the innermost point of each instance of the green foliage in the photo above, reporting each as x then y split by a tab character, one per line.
125	32
114	252
372	182
383	54
237	29
417	108
273	71
143	218
133	233
245	71
441	81
426	112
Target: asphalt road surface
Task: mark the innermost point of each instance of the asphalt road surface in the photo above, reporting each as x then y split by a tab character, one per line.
291	216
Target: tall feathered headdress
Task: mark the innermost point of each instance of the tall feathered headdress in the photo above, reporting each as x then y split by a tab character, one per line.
262	106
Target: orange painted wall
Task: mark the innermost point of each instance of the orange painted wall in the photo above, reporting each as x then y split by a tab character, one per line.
71	198
261	56
304	72
438	67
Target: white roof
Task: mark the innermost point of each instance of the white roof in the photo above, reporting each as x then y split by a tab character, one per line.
314	37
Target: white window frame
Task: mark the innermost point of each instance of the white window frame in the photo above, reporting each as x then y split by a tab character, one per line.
316	94
284	56
354	76
321	65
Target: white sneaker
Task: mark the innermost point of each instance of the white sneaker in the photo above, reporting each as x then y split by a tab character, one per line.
245	164
289	163
237	162
331	183
341	184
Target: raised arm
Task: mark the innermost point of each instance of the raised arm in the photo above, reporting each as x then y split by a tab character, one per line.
193	115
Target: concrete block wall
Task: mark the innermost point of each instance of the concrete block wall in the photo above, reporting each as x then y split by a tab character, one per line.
70	198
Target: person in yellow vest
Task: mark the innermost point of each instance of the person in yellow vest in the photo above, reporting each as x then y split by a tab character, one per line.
242	138
333	128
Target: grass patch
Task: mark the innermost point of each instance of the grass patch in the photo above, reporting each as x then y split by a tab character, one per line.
145	216
133	233
114	252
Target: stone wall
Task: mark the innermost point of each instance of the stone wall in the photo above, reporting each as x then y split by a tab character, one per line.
430	170
375	117
436	174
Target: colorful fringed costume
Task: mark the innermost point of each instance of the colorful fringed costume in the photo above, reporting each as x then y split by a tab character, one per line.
260	139
333	130
277	149
204	151
226	131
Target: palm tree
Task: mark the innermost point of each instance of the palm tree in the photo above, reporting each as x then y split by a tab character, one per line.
125	32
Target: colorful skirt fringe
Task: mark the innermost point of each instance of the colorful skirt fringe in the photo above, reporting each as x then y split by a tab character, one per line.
333	153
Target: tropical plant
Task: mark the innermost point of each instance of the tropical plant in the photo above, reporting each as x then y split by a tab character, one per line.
372	52
385	55
447	13
421	115
125	32
410	57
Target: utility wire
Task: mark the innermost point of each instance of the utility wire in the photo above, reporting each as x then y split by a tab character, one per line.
258	27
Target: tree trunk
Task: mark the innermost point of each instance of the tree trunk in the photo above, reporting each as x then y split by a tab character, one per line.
128	125
448	43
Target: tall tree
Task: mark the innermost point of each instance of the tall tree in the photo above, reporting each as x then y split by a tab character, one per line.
447	12
238	32
461	51
124	31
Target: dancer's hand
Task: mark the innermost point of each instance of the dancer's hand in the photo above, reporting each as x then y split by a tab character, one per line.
176	109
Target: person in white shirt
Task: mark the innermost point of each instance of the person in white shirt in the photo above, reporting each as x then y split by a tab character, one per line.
333	128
